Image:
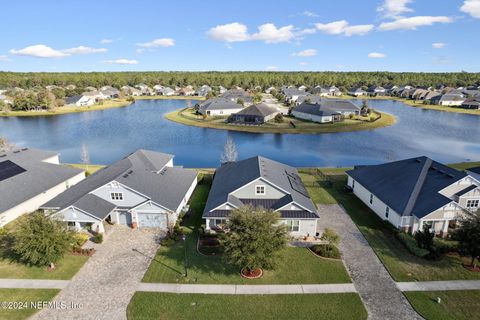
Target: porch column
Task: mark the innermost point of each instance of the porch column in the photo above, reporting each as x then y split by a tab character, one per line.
207	224
445	228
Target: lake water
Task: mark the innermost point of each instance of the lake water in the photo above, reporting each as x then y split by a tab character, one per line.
111	134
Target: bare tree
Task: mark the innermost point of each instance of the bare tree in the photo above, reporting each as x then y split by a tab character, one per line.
85	156
230	153
5	145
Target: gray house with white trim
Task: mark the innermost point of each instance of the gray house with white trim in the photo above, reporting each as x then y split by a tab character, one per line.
142	190
261	182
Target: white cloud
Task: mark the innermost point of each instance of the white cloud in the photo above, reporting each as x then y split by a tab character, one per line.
412	23
163	42
310	14
231	32
122	61
83	50
438	45
306	53
237	32
271	68
394	8
376	55
269	33
4	58
472	7
106	41
342	27
39	51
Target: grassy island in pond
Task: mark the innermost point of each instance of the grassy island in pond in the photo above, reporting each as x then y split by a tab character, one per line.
189	117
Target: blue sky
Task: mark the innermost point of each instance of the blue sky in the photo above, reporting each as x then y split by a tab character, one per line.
306	35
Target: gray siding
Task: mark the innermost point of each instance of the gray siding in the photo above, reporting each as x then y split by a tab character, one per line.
248	191
130	199
71	214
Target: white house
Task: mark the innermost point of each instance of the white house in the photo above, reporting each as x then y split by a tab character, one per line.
29	178
325	111
218	107
143	190
80	101
416	193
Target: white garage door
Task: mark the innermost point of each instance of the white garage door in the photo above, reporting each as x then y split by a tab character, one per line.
152	220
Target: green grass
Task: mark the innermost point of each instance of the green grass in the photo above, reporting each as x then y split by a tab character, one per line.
455	305
188	117
402	265
146	305
296	265
465	165
90	169
23	295
108	104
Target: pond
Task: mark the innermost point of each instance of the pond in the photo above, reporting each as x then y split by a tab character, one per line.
113	133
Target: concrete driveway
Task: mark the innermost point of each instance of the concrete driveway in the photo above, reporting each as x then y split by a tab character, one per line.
104	286
382	298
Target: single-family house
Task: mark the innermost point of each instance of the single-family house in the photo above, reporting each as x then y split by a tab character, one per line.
430	95
356	92
474	172
29	178
334	91
131	91
238	93
222	90
218	107
110	93
325	111
302	88
261	182
310	98
186	91
471	103
95	95
449	100
320	91
165	91
419	94
143	190
255	114
292	94
416	193
80	100
203	90
145	90
377	91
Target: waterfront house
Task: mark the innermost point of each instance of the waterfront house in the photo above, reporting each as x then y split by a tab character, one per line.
471	103
79	100
449	99
203	90
377	91
356	92
131	91
218	107
325	111
186	91
143	190
261	182
165	91
145	90
255	114
416	193
110	93
30	177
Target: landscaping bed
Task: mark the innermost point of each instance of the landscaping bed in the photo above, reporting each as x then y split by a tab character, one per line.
333	306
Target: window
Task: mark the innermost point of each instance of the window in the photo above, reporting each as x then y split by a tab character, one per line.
219	222
293	225
387	211
259	190
371	198
116	196
472	203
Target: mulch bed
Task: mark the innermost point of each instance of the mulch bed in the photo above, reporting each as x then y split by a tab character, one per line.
253	274
82	252
469	267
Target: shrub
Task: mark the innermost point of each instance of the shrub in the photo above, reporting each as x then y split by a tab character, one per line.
424	238
167	242
279	118
131	99
411	245
443	246
326	250
80	239
331	236
98	238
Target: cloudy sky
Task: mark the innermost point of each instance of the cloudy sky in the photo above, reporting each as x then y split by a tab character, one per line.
341	35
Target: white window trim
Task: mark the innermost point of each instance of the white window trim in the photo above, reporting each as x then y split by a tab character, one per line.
292	224
473	203
264	190
116	196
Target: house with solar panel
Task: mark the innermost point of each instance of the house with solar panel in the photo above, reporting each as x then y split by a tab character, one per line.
261	182
29	178
416	193
142	190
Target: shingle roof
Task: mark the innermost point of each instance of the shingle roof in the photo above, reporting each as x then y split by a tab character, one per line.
37	178
411	186
219	104
326	107
474	170
260	109
144	171
233	175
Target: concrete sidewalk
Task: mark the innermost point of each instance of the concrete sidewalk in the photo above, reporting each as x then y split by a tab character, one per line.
33	284
439	285
247	289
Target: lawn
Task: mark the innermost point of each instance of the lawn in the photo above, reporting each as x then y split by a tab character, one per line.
23	295
402	265
188	117
455	305
146	305
296	265
90	169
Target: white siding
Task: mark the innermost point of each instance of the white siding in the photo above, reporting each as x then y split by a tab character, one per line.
310	117
222	112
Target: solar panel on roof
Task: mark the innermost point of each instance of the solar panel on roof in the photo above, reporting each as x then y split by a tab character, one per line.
9	169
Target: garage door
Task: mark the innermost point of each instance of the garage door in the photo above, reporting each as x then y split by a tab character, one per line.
152	220
124	218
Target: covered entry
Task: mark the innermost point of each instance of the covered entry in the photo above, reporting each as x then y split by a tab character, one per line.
124	218
152	220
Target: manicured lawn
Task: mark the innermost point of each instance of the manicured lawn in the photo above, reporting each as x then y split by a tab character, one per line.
401	264
188	117
146	305
23	295
455	305
90	169
297	265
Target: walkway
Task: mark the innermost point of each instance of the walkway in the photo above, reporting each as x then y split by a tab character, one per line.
439	285
382	298
247	289
33	284
107	282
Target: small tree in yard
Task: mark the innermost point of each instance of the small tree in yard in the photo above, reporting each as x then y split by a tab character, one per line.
254	238
230	153
468	236
85	156
425	238
39	240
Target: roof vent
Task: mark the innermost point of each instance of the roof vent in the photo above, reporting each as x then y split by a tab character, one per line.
125	175
16	151
24	149
3	155
130	172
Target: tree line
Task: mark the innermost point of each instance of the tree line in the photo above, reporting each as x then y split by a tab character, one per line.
247	79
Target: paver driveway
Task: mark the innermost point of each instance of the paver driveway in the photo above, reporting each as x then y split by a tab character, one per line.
107	282
382	299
